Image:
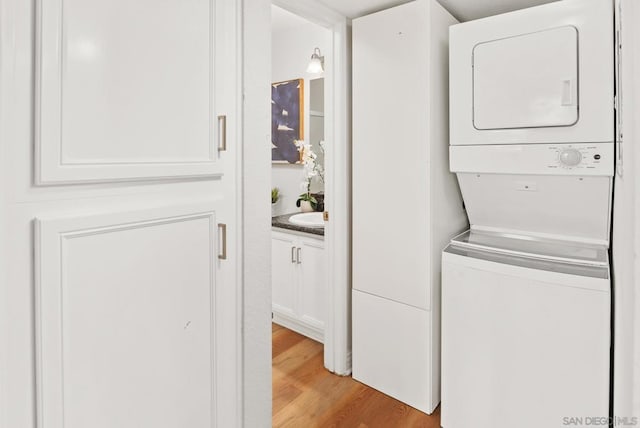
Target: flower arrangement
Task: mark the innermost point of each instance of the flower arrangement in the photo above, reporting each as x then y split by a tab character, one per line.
275	195
311	169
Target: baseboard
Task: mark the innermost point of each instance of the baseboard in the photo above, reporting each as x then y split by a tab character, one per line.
298	326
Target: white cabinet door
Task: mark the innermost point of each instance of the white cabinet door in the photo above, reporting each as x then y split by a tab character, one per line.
284	274
128	89
384	43
312	287
299	283
526	81
117	308
126	317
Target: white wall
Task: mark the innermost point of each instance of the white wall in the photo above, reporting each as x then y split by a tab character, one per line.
257	226
626	233
291	52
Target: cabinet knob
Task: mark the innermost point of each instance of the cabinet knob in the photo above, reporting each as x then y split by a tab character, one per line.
293	254
298	253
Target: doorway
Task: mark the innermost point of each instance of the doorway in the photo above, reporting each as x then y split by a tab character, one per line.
334	87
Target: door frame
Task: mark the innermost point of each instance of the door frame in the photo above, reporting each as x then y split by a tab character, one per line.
337	335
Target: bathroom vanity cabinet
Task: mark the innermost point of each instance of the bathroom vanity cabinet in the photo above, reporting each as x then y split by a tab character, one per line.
299	282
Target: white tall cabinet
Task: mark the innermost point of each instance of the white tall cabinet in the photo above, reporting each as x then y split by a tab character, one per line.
406	204
118	213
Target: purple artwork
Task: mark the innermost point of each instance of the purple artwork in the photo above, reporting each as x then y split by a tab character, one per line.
286	120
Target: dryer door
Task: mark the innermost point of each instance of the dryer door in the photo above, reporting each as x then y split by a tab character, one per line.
526	81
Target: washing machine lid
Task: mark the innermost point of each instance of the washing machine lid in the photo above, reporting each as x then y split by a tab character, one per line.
534	248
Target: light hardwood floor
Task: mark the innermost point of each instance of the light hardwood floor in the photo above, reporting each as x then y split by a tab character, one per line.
306	395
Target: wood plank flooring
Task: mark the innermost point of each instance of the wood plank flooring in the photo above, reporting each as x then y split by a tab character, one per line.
306	395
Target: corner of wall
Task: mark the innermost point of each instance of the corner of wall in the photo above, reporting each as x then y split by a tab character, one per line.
256	279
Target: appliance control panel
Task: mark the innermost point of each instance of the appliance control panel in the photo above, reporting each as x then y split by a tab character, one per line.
588	159
577	156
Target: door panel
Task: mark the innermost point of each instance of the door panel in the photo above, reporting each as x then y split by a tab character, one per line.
526	81
118	99
125	319
384	50
391	349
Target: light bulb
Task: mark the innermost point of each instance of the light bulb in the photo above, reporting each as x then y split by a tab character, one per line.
315	64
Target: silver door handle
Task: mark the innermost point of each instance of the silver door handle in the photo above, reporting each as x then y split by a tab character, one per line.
222	133
223	233
293	254
298	253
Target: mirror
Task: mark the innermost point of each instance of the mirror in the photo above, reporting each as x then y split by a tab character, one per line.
316	124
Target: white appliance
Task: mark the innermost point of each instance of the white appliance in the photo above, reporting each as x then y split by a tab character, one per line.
537	75
406	203
526	292
525	331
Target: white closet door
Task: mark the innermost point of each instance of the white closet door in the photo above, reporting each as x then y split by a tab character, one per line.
526	81
124	297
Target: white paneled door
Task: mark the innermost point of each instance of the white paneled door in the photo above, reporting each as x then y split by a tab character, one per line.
119	303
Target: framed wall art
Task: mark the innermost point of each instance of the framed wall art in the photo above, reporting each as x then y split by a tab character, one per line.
287	120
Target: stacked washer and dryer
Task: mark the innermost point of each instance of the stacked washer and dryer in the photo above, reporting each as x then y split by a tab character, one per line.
526	292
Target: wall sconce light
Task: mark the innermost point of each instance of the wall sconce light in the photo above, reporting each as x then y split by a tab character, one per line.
316	64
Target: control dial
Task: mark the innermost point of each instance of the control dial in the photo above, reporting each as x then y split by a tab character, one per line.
570	157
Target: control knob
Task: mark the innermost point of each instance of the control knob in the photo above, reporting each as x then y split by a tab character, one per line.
570	157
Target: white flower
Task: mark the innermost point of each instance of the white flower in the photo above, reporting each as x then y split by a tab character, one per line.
311	168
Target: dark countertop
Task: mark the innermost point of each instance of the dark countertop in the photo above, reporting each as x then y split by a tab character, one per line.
282	222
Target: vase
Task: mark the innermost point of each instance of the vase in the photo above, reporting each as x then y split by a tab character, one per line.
305	207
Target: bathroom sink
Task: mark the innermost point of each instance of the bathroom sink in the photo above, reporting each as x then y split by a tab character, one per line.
308	219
